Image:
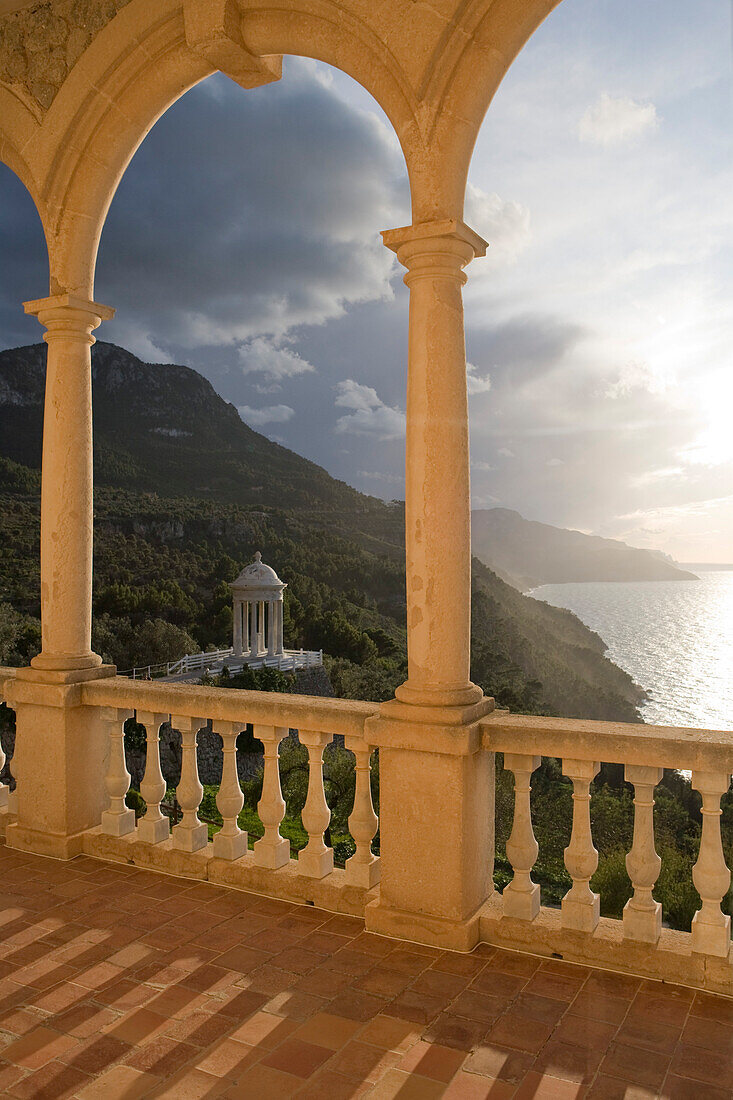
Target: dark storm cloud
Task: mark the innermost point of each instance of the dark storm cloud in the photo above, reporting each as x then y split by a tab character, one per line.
23	261
521	349
245	214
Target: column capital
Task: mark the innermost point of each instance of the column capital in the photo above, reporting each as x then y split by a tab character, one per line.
449	238
70	307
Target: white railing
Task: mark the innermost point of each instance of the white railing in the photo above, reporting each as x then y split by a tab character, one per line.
290	661
644	751
189	708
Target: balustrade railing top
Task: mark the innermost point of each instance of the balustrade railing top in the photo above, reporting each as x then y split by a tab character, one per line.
335	716
612	742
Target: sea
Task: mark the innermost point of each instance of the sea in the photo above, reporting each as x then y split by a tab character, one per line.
675	638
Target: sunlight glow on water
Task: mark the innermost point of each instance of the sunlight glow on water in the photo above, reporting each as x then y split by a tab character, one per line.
675	638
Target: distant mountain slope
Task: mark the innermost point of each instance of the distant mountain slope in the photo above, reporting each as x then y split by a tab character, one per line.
185	493
163	428
530	553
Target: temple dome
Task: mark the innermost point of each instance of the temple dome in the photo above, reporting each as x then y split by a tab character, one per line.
258	575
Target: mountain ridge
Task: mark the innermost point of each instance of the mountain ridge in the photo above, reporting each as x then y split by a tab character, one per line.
529	553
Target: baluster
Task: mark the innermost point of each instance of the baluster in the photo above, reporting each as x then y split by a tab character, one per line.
710	926
316	859
154	827
581	908
272	850
118	820
191	833
230	842
522	895
362	869
642	914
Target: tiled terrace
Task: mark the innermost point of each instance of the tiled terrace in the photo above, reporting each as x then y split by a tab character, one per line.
118	982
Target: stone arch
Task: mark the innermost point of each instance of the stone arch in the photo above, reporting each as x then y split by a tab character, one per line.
135	68
466	68
20	126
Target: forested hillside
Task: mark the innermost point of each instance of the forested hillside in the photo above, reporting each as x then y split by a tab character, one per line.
185	494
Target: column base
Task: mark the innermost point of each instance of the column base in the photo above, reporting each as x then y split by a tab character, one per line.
230	847
54	845
365	874
522	904
51	663
642	925
271	855
711	938
446	706
39	674
118	824
580	915
315	864
190	840
442	932
153	832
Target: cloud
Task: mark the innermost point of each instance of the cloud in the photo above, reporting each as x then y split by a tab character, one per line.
475	382
505	452
632	377
505	224
247	215
612	121
272	358
269	414
370	415
378	475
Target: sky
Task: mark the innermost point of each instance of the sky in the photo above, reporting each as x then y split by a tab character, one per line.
244	242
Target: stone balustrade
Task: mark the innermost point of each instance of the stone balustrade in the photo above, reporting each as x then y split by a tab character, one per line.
639	943
185	849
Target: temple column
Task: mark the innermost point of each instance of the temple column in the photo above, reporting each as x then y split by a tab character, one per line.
245	627
237	633
253	636
279	627
271	628
436	785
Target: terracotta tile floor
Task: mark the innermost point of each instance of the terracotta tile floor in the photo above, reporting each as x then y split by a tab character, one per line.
117	982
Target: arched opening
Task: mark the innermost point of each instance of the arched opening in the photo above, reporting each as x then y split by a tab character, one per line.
243	242
23	274
602	329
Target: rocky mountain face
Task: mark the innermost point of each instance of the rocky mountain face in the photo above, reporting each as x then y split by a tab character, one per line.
529	554
163	428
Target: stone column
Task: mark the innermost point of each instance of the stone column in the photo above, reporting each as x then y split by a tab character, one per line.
62	747
437	489
279	627
271	628
66	486
245	628
253	635
436	783
237	632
